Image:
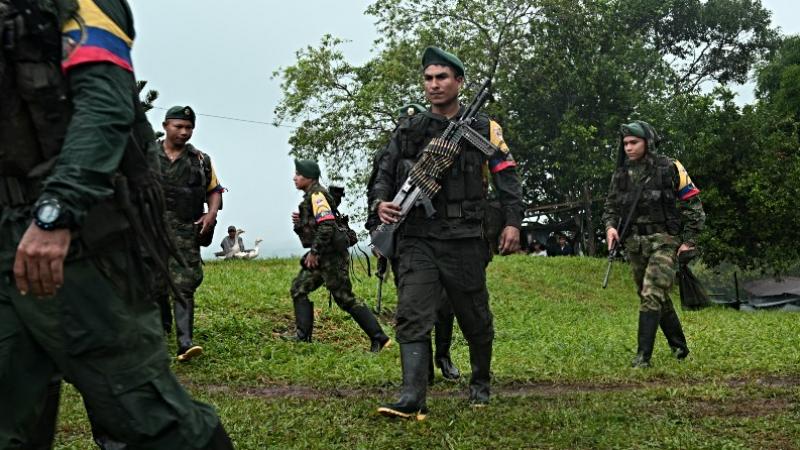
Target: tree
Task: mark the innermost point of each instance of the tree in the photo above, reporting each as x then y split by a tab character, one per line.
566	74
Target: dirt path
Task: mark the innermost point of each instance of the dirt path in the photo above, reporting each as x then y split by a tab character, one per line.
444	389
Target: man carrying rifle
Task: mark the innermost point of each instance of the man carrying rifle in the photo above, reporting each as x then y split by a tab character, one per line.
666	219
440	243
445	317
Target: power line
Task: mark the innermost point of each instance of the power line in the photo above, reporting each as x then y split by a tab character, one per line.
236	119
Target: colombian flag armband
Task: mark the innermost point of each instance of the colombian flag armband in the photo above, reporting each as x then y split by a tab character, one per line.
686	189
91	36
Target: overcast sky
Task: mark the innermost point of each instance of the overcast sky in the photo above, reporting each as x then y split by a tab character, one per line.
219	58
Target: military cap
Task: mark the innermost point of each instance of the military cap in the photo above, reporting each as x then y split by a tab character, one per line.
231	228
180	112
307	168
435	55
410	109
633	129
643	130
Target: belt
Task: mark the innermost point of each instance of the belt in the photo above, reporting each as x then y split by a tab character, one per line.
645	229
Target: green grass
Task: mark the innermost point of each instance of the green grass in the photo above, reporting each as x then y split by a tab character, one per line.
560	364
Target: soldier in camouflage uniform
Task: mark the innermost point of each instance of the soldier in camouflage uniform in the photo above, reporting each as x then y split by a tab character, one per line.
189	184
76	300
327	261
667	220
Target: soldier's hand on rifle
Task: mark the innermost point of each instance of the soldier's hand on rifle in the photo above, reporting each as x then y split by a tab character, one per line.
312	260
295	217
611	237
509	240
685	248
388	212
39	263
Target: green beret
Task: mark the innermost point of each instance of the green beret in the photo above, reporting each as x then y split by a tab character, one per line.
435	55
633	129
180	112
410	109
307	168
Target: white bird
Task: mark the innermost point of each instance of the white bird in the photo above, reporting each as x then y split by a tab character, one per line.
248	254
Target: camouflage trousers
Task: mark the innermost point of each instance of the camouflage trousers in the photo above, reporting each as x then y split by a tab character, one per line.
188	278
333	273
654	262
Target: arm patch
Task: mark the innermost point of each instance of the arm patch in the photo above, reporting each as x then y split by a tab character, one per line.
686	189
93	37
502	159
322	210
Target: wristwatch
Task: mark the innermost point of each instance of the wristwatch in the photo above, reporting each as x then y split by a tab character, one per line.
48	214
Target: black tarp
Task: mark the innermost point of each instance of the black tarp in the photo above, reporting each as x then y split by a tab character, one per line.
751	290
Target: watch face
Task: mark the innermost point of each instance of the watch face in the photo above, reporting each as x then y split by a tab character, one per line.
48	213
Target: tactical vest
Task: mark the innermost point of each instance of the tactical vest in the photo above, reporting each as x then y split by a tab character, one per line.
656	211
460	205
186	198
35	109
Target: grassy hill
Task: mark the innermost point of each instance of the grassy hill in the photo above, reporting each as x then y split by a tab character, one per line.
560	364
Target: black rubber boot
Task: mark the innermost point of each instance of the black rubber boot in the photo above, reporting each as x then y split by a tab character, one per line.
184	330
367	321
444	337
671	326
648	326
480	358
43	434
303	320
219	440
414	358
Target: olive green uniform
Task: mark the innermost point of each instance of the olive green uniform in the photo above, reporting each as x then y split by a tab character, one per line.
668	213
447	251
445	317
61	140
319	233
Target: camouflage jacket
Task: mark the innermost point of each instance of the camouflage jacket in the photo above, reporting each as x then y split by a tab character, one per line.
317	226
686	196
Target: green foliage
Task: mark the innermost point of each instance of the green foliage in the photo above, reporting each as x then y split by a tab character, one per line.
560	364
148	102
779	77
566	74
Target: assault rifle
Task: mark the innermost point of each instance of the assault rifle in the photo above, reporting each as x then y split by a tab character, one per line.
622	230
422	182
